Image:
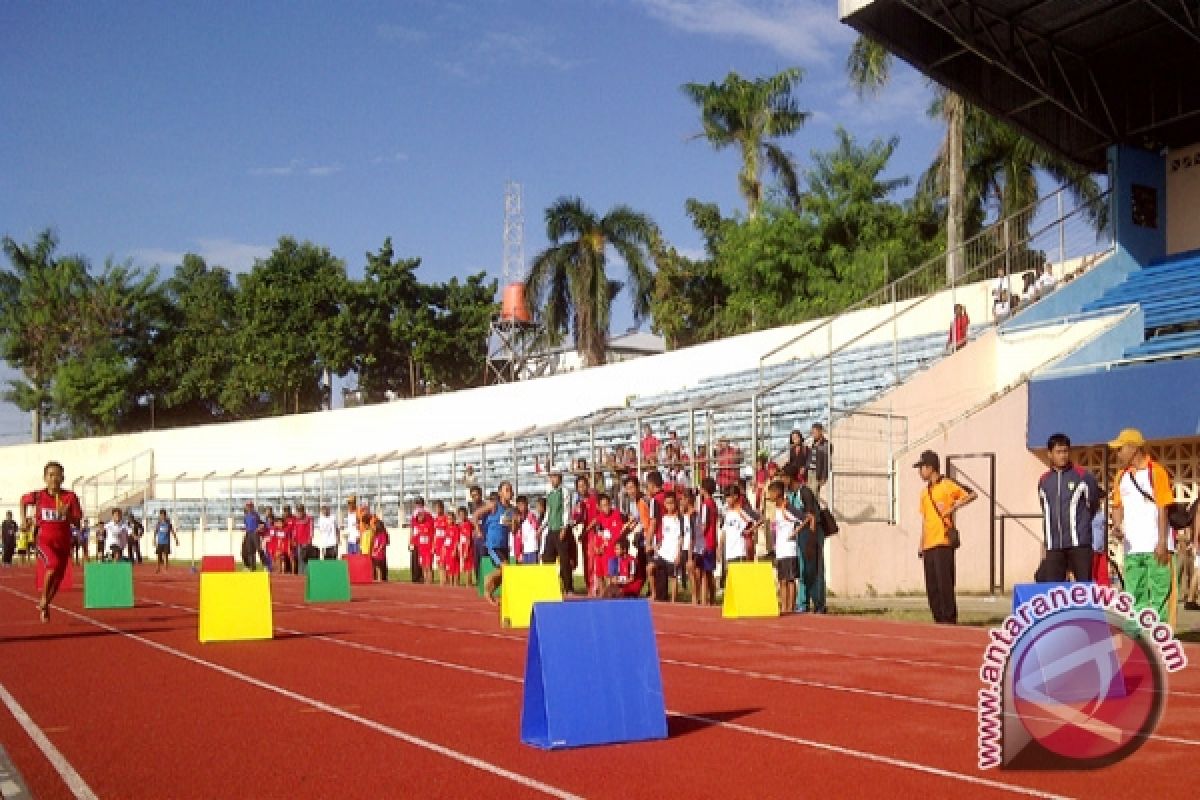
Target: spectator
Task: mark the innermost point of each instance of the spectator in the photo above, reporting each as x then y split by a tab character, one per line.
251	546
134	539
352	533
737	531
525	536
8	538
326	536
302	528
810	548
649	446
280	548
1139	509
1002	286
25	542
85	534
443	537
1003	307
728	458
657	508
474	503
1046	282
465	546
606	530
820	454
638	520
379	545
366	526
289	540
1069	497
939	502
584	508
668	552
959	329
626	577
784	521
1185	553
797	456
1184	520
164	532
420	545
1100	543
555	518
704	545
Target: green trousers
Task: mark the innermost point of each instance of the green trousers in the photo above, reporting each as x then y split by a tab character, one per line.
1150	583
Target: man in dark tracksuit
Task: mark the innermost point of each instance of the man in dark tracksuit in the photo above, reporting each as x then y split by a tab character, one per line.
1069	496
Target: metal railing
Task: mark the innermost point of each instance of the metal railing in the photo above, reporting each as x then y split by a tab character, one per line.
119	484
1012	246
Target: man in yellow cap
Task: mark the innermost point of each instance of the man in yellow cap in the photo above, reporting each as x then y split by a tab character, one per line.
1139	511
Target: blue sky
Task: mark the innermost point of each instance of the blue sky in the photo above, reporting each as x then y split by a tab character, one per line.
144	130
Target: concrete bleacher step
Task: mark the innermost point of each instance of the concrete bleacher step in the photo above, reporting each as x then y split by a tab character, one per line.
1166	344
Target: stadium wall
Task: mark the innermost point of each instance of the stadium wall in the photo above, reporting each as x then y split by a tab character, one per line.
877	558
1183	199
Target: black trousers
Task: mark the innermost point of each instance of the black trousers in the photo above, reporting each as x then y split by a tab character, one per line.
415	573
939	584
1053	568
380	568
250	551
331	553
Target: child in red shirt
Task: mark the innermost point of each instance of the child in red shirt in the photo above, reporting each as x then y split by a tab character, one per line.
465	546
624	580
379	543
608	528
442	535
422	543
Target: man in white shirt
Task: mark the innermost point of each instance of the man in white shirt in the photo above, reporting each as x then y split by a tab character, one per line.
1139	511
325	537
668	556
351	526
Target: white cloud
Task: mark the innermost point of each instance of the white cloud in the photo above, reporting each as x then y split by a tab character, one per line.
395	158
295	167
400	34
804	30
234	256
528	49
322	170
905	98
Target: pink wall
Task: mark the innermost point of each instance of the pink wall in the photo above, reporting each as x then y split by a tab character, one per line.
883	558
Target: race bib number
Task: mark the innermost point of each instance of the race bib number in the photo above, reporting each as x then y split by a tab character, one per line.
51	515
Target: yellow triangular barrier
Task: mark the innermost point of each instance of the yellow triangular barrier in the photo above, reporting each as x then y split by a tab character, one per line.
750	590
235	606
524	586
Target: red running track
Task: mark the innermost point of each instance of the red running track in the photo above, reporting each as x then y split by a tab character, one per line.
416	690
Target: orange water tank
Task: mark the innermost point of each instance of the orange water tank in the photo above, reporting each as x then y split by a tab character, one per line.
513	305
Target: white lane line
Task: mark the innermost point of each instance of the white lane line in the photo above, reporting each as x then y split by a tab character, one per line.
378	727
70	777
747	729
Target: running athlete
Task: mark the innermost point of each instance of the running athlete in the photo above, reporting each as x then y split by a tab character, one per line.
55	510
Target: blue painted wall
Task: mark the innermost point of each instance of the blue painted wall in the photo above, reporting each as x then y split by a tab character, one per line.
1070	297
1110	345
1159	398
1130	167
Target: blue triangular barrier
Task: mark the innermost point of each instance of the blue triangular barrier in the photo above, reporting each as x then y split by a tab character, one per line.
592	675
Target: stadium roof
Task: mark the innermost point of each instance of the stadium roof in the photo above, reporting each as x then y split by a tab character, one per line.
1075	75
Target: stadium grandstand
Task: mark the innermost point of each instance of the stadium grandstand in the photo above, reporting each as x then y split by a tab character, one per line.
1112	346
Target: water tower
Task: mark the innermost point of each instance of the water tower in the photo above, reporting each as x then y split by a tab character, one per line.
513	334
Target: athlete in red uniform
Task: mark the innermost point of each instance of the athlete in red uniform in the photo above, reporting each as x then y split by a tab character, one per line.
55	510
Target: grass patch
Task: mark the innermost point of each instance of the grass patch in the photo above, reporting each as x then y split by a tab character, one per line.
977	619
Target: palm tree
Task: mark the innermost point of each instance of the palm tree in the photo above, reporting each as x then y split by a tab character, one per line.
568	280
869	66
749	114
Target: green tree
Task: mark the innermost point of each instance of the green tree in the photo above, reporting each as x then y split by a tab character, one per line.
750	115
192	362
288	333
450	337
869	67
569	279
37	294
379	321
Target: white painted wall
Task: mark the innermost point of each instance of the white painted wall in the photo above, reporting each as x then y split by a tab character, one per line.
1183	199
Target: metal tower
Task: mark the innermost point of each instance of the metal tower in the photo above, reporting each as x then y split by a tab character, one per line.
514	331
